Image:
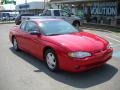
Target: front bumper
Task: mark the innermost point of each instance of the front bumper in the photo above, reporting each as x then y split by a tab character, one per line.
78	65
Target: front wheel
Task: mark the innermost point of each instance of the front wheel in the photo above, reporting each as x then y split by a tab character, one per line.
51	60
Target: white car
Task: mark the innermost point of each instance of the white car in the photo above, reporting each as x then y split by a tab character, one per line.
62	14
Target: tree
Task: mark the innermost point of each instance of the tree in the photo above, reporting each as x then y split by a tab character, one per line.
8	2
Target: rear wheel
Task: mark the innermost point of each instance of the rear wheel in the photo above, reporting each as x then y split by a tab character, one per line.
51	60
76	24
15	44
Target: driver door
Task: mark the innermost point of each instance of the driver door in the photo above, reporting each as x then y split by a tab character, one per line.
33	42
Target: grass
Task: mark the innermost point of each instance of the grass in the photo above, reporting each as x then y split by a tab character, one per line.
6	22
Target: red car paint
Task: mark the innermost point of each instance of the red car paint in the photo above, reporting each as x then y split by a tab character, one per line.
62	45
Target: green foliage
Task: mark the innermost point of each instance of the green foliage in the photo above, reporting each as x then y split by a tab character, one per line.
8	2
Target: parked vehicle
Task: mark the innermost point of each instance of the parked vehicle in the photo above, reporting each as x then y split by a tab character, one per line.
13	16
62	14
60	45
18	19
4	16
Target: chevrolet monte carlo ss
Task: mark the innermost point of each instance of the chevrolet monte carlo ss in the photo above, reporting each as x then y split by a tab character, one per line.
60	45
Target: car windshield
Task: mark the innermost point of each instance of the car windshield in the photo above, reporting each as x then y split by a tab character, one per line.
57	27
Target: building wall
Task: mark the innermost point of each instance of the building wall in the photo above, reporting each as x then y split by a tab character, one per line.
32	7
94	11
101	12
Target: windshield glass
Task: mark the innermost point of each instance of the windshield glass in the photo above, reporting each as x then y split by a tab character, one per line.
56	27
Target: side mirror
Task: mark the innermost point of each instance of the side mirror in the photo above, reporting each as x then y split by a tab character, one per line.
36	32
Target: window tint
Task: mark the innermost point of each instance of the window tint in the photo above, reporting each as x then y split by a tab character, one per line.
31	26
22	26
56	12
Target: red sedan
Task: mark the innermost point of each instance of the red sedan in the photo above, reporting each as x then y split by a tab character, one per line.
60	45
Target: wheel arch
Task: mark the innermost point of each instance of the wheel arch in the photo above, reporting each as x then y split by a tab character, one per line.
57	61
13	36
46	48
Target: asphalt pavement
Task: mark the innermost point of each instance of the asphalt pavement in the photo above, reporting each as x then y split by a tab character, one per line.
21	71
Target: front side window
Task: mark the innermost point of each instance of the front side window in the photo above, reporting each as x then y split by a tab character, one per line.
56	27
31	26
64	13
48	13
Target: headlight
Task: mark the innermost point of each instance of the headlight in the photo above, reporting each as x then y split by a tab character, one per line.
79	54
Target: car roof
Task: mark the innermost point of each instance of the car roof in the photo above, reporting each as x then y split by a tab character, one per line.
47	19
39	17
26	14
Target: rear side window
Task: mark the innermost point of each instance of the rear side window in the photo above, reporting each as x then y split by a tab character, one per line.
56	12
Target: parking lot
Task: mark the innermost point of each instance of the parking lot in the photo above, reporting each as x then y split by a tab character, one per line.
21	71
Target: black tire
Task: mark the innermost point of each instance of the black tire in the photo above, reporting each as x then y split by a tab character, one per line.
15	44
76	24
18	22
55	60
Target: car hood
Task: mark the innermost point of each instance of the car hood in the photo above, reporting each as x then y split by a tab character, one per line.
81	41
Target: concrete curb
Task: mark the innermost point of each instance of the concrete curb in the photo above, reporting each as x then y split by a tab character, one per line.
106	27
101	25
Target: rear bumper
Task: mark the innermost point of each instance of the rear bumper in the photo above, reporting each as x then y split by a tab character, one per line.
79	65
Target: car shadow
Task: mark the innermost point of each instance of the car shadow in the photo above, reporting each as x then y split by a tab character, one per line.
79	80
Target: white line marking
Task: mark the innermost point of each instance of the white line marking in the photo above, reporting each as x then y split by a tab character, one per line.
105	34
113	39
115	35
